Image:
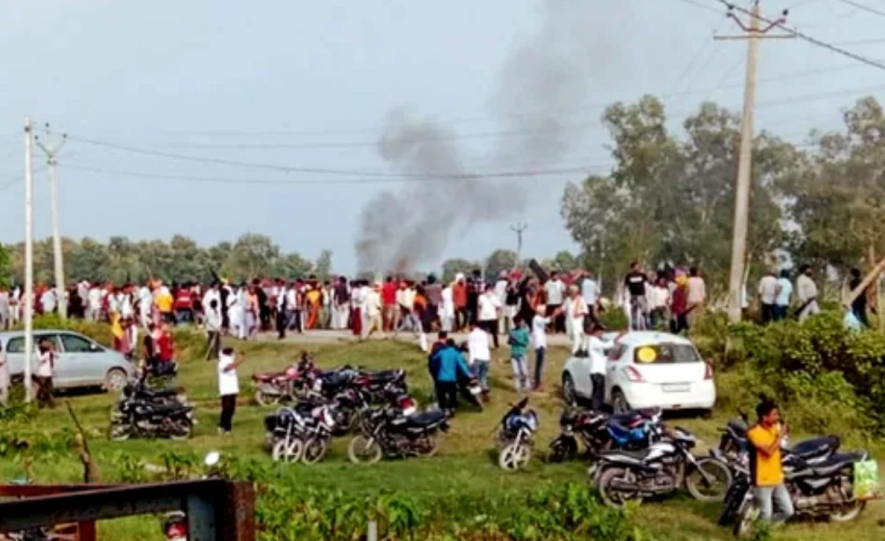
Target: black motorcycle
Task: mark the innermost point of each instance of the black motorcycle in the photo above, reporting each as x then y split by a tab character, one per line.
303	432
666	466
824	489
139	418
598	432
387	432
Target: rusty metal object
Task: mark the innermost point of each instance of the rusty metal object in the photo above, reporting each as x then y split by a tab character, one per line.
216	509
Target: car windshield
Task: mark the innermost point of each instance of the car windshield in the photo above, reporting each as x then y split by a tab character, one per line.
666	354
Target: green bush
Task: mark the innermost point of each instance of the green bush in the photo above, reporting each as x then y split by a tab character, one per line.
832	378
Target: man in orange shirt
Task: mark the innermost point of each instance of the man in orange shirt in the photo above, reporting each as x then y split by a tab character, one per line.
765	464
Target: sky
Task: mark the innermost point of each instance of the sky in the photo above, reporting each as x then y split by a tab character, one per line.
213	118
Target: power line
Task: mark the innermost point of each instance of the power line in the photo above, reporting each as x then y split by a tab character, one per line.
701	6
863	7
222	180
805	37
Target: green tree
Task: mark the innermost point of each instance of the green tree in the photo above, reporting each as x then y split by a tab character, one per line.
500	260
837	201
5	267
323	266
251	256
670	199
454	266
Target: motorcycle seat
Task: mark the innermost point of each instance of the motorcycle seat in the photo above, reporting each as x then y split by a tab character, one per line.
815	447
167	409
737	426
426	419
836	463
637	457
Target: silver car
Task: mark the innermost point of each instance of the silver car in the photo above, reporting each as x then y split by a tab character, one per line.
82	362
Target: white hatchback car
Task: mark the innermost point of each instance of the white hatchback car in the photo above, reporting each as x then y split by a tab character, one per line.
646	370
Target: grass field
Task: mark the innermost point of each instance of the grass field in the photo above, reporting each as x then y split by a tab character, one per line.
466	464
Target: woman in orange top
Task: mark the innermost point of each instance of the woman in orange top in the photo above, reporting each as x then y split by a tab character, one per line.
313	306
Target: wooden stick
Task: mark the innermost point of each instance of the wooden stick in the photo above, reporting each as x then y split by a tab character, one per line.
868	279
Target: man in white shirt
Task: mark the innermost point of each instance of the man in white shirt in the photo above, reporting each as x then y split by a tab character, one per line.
660	302
5	314
555	290
806	292
697	295
94	303
768	296
596	348
489	307
146	304
505	320
784	292
405	298
539	341
577	312
228	388
213	328
480	355
372	309
590	293
48	301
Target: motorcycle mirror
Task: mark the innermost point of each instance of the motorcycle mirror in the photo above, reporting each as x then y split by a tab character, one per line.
212	459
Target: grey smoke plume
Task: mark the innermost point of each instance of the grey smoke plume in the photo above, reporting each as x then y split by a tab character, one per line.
545	78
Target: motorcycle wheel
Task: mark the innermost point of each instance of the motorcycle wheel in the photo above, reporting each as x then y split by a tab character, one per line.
560	450
432	447
700	489
611	497
849	512
314	451
119	433
514	457
361	451
747	518
265	399
287	452
180	431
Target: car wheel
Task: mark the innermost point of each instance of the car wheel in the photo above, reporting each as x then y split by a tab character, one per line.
619	402
115	380
569	394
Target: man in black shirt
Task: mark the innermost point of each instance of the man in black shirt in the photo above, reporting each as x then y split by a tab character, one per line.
635	283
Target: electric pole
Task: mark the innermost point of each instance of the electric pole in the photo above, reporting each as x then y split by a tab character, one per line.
58	258
28	297
519	229
752	33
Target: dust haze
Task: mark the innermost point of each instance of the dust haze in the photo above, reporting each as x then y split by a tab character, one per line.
547	77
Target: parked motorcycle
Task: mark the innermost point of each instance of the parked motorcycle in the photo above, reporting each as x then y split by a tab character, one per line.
139	389
516	436
821	490
599	432
300	433
387	432
666	466
141	418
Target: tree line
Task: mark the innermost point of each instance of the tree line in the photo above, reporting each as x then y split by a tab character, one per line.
122	260
669	197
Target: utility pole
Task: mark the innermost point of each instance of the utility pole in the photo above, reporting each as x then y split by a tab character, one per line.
752	33
58	258
28	296
519	229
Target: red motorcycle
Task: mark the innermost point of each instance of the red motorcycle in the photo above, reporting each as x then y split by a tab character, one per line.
273	387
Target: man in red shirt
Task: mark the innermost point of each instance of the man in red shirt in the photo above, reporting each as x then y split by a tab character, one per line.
184	304
388	302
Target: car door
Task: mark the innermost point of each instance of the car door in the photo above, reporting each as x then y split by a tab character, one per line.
77	364
15	356
617	358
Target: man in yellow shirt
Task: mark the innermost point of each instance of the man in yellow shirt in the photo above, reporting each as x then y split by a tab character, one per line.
766	438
